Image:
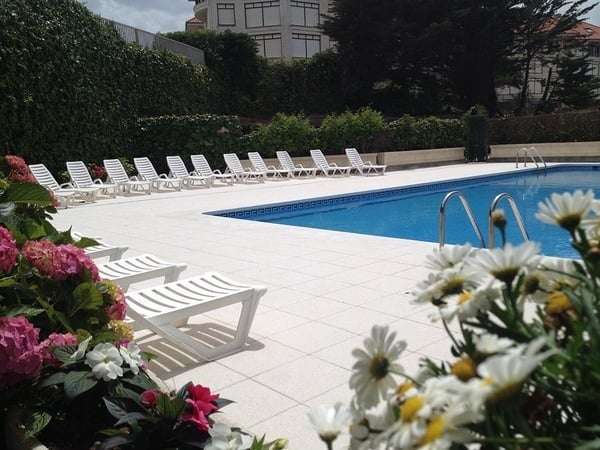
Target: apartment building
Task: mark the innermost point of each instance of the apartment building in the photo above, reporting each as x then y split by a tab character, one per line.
540	70
283	29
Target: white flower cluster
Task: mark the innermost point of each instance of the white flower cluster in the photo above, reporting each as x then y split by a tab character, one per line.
106	360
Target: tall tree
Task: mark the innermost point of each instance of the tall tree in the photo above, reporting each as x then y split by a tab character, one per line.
541	25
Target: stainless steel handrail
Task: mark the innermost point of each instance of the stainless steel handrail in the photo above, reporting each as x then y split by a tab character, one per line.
516	213
527	151
467	208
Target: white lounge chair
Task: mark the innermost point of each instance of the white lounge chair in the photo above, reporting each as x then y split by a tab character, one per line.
102	249
80	177
269	172
361	167
299	170
234	166
65	192
178	170
328	169
163	309
116	174
131	270
201	167
147	172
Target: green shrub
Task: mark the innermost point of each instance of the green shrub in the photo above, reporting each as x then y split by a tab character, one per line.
293	133
409	133
351	129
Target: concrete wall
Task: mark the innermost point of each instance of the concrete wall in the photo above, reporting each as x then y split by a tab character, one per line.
550	152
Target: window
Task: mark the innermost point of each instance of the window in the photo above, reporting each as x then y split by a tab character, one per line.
305	45
269	45
305	14
226	14
595	50
262	14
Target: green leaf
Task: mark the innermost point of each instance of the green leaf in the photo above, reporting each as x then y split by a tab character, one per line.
36	422
590	445
64	352
27	193
141	380
76	383
54	379
114	407
86	297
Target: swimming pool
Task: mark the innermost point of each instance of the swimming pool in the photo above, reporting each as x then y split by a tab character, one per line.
413	212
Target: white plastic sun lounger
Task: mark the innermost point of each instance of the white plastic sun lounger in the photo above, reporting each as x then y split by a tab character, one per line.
269	172
66	191
81	179
163	309
328	169
202	168
116	174
299	170
234	166
178	170
147	172
113	252
361	167
131	270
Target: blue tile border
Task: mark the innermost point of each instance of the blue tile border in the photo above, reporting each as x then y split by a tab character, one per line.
272	210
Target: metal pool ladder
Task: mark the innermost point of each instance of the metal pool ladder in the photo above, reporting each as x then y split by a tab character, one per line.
467	209
532	153
471	217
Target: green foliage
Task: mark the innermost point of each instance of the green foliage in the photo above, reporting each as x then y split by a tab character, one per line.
351	129
409	133
293	133
208	134
70	86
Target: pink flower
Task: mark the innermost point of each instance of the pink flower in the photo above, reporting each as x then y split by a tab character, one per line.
40	255
19	170
55	340
8	251
117	309
20	354
70	261
150	397
202	402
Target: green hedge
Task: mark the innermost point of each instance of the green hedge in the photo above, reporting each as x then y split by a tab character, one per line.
351	129
410	133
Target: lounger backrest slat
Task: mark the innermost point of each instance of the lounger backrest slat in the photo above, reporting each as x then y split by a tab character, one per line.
257	161
201	165
177	167
115	171
319	159
145	168
79	174
233	162
44	177
354	158
285	160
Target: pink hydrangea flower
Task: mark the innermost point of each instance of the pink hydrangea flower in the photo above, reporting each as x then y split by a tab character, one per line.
40	255
117	310
8	251
52	341
19	170
72	261
20	353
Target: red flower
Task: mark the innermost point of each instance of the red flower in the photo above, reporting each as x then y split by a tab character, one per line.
19	170
20	353
202	402
8	251
150	397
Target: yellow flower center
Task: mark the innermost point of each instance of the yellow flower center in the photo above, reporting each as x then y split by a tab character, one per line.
410	408
464	297
464	369
453	286
558	303
531	284
506	274
569	221
434	430
404	387
379	367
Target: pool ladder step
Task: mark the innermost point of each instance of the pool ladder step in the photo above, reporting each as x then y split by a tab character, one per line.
471	217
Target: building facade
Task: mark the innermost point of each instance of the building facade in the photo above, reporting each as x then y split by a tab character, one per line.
282	29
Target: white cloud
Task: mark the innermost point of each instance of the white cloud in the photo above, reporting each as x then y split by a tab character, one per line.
148	15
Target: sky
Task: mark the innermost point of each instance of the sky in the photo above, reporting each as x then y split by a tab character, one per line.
170	15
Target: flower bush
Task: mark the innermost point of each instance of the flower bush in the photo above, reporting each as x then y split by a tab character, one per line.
524	331
71	374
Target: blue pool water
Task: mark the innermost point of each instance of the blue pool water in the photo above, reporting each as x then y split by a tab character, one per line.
413	212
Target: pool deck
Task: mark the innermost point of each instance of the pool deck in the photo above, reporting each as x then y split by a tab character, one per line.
325	291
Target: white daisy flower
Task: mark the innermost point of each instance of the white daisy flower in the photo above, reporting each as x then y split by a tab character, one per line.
105	361
506	373
508	262
329	421
448	256
490	344
373	370
132	355
566	210
468	303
